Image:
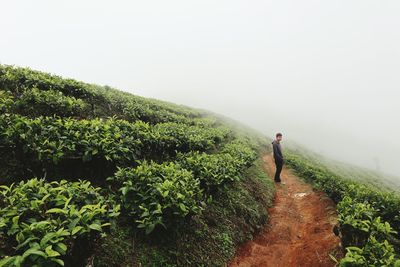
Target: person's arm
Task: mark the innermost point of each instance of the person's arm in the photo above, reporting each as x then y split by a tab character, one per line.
277	152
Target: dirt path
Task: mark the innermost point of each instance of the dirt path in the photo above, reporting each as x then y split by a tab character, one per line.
300	229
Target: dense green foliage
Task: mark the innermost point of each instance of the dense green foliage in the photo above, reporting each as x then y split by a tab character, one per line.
215	170
42	142
173	137
40	221
54	138
169	167
210	237
36	102
103	101
369	218
157	194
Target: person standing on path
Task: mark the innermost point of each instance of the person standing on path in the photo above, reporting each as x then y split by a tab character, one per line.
278	156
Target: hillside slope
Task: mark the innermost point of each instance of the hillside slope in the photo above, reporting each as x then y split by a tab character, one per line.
368	212
369	176
93	175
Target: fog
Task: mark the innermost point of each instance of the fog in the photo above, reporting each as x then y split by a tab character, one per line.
325	73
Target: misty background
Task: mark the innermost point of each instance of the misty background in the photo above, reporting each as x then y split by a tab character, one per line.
325	73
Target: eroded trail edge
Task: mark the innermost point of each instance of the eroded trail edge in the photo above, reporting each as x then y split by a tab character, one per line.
299	232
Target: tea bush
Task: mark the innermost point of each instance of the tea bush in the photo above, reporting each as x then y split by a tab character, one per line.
40	221
104	101
36	102
157	194
52	139
17	80
182	137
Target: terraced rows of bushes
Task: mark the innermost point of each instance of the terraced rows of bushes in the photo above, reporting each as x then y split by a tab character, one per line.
43	93
81	161
369	217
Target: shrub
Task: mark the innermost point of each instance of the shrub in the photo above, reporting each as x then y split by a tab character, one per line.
213	170
241	150
51	139
6	101
39	221
158	194
172	137
374	253
104	100
19	79
37	102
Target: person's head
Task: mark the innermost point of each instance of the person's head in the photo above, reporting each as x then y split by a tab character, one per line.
278	137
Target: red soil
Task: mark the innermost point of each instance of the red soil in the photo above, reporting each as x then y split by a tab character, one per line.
300	229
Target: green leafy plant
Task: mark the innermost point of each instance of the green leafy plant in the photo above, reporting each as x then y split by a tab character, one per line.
103	100
374	253
40	221
18	79
172	137
215	170
36	102
51	139
158	194
6	101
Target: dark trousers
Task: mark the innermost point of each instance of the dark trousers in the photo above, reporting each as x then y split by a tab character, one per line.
279	165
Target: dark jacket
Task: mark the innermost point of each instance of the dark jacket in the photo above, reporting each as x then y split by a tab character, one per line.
276	146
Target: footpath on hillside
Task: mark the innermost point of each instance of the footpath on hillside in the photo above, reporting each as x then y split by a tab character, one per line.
299	232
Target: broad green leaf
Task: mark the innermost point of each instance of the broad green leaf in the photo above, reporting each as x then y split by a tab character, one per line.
96	227
60	247
34	251
50	252
76	229
58	261
57	210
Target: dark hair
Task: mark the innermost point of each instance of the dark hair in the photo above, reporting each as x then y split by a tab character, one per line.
278	134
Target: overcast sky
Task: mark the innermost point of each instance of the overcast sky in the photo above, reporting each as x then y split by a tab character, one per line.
325	73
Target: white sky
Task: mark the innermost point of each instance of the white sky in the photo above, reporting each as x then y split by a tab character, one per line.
325	73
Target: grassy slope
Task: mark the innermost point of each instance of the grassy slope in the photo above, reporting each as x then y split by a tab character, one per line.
207	239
